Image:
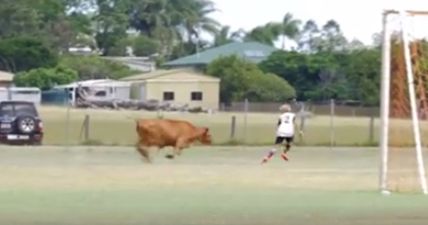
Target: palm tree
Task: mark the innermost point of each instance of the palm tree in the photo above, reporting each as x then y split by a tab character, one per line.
158	20
196	19
173	21
225	36
290	28
266	34
148	15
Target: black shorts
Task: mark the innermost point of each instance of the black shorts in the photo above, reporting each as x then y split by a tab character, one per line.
280	140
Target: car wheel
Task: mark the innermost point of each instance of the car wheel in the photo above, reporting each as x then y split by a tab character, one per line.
26	124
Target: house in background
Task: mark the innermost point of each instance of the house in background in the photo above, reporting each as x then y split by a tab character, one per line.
177	86
252	51
6	79
31	94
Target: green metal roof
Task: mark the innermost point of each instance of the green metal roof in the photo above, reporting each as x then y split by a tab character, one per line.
253	51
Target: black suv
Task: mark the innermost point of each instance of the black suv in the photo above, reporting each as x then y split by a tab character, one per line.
20	123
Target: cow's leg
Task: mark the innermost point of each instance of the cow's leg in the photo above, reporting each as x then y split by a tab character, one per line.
181	144
144	151
171	155
178	148
176	152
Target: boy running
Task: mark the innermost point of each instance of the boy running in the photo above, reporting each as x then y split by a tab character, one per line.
285	132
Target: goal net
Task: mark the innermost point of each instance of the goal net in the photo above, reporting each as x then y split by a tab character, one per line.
404	102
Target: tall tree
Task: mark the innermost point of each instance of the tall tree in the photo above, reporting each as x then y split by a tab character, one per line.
196	19
308	37
355	44
56	22
111	23
242	79
327	39
315	76
24	53
332	38
80	6
363	73
174	22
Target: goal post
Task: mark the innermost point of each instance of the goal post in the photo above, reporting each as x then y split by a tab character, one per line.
385	97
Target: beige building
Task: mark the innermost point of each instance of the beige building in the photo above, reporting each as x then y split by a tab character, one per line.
178	86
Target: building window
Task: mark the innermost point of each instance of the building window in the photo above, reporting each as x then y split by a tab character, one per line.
168	96
196	96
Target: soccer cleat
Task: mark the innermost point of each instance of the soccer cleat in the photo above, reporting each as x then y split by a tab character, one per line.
284	157
265	160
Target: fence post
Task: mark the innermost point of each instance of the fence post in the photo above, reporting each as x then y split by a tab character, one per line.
86	127
67	125
159	114
245	120
233	128
9	94
371	128
332	133
302	122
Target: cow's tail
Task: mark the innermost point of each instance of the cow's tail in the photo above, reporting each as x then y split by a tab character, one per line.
135	120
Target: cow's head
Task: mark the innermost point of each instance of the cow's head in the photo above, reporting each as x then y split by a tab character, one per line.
205	137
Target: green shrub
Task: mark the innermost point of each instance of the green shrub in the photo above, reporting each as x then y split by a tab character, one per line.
242	79
95	67
145	46
45	78
25	53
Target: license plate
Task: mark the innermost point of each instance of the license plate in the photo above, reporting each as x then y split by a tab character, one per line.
17	137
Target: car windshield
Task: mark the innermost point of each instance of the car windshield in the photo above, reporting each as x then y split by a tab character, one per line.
15	109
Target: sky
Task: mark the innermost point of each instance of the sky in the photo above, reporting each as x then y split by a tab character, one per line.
358	19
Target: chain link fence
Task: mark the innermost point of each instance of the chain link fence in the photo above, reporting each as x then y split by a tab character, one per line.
241	123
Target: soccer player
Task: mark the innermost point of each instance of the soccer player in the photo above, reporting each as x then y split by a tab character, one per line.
285	132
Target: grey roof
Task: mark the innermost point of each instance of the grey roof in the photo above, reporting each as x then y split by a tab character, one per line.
253	51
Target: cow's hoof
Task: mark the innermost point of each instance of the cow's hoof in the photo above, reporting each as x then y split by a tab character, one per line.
169	156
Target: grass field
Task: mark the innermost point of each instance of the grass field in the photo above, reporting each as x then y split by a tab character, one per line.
206	185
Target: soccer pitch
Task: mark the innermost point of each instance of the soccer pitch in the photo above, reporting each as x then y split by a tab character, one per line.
206	185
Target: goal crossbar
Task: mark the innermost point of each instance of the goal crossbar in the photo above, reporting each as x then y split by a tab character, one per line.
409	12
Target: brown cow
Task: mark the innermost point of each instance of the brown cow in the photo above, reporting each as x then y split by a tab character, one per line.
161	133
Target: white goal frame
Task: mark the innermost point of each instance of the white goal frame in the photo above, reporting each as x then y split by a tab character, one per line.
385	98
